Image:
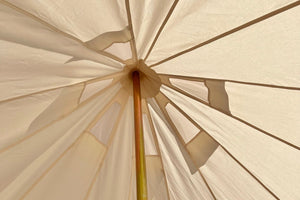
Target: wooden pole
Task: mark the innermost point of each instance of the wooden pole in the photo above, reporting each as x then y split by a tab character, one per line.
141	179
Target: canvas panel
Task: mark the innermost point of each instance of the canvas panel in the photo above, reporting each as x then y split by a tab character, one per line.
201	148
184	183
274	110
217	95
82	19
30	67
26	70
132	190
195	88
33	112
186	129
147	17
36	34
22	164
70	177
229	180
157	189
275	163
22	112
266	52
194	22
64	104
150	147
113	181
121	50
104	126
92	88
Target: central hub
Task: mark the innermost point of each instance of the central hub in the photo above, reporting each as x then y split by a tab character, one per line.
149	80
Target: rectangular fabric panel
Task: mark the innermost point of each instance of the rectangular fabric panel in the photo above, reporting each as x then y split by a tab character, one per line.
70	177
201	148
114	178
157	188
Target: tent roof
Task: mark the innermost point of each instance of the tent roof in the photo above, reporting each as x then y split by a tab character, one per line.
220	87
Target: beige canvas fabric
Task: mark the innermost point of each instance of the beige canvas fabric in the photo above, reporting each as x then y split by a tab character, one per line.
195	88
237	185
220	86
150	146
81	162
186	129
239	142
191	184
254	54
195	22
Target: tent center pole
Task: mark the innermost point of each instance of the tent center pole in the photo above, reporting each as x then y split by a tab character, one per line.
141	179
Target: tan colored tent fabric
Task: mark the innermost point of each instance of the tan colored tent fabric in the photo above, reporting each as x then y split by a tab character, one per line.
220	85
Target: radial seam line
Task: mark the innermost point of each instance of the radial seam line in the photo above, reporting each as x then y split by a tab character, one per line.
109	76
201	79
193	138
237	118
252	22
161	28
157	148
95	138
113	133
50	167
61	156
132	42
191	120
54	121
204	179
39	20
170	122
81	93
